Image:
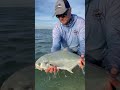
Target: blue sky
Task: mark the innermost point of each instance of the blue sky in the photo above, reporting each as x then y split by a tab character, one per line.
44	11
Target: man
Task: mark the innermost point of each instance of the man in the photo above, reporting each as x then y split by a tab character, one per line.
69	33
103	36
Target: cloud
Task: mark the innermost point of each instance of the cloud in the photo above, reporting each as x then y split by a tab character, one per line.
44	7
44	10
42	18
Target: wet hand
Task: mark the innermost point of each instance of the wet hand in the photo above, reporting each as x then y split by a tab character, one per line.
52	69
82	62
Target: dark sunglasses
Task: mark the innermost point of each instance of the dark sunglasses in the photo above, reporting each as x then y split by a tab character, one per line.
62	15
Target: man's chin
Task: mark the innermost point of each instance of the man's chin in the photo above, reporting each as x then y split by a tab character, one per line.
64	23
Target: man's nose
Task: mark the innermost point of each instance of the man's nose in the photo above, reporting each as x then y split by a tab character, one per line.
60	18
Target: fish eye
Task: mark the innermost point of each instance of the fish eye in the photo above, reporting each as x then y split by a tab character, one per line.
39	64
46	62
51	65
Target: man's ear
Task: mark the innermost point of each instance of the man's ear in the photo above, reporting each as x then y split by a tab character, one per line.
70	9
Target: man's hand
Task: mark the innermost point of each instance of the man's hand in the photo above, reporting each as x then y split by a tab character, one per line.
82	62
113	77
52	69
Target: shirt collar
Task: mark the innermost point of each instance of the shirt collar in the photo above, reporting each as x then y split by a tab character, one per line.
72	21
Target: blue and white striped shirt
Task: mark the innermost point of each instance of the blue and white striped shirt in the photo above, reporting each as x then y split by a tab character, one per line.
71	36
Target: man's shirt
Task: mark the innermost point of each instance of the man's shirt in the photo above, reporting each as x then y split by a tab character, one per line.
103	31
71	36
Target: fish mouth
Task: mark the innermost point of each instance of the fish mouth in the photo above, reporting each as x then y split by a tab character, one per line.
42	65
38	66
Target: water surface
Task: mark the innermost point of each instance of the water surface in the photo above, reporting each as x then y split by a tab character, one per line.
63	80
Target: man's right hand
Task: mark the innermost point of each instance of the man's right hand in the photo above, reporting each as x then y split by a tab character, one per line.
52	69
82	62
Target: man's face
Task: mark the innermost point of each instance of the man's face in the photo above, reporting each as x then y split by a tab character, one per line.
65	17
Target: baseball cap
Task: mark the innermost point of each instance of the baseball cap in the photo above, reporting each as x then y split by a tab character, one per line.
61	7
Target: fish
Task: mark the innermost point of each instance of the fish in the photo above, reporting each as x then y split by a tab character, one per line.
63	59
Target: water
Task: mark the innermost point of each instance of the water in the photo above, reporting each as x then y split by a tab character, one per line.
43	42
63	80
16	39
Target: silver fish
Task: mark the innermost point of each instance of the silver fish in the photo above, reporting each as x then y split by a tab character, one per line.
63	59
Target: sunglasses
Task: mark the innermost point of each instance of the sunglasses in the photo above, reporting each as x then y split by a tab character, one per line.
62	15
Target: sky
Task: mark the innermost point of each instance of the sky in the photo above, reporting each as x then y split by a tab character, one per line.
44	11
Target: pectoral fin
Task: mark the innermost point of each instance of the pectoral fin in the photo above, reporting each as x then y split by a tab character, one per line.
69	70
64	68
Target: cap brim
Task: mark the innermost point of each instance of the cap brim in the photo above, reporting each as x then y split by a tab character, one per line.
59	12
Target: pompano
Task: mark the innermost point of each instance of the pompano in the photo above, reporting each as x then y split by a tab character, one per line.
63	59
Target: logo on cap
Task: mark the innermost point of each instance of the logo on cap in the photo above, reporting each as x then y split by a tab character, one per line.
59	5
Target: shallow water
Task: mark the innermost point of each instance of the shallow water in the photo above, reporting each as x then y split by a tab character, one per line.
63	80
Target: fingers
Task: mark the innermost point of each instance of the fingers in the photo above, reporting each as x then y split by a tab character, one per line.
55	69
81	63
52	69
47	70
114	82
82	59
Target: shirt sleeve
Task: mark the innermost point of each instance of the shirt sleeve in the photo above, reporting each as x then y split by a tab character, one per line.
56	43
82	38
113	34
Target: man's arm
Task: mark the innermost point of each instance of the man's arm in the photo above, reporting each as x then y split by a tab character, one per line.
82	44
56	44
81	37
82	41
113	34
